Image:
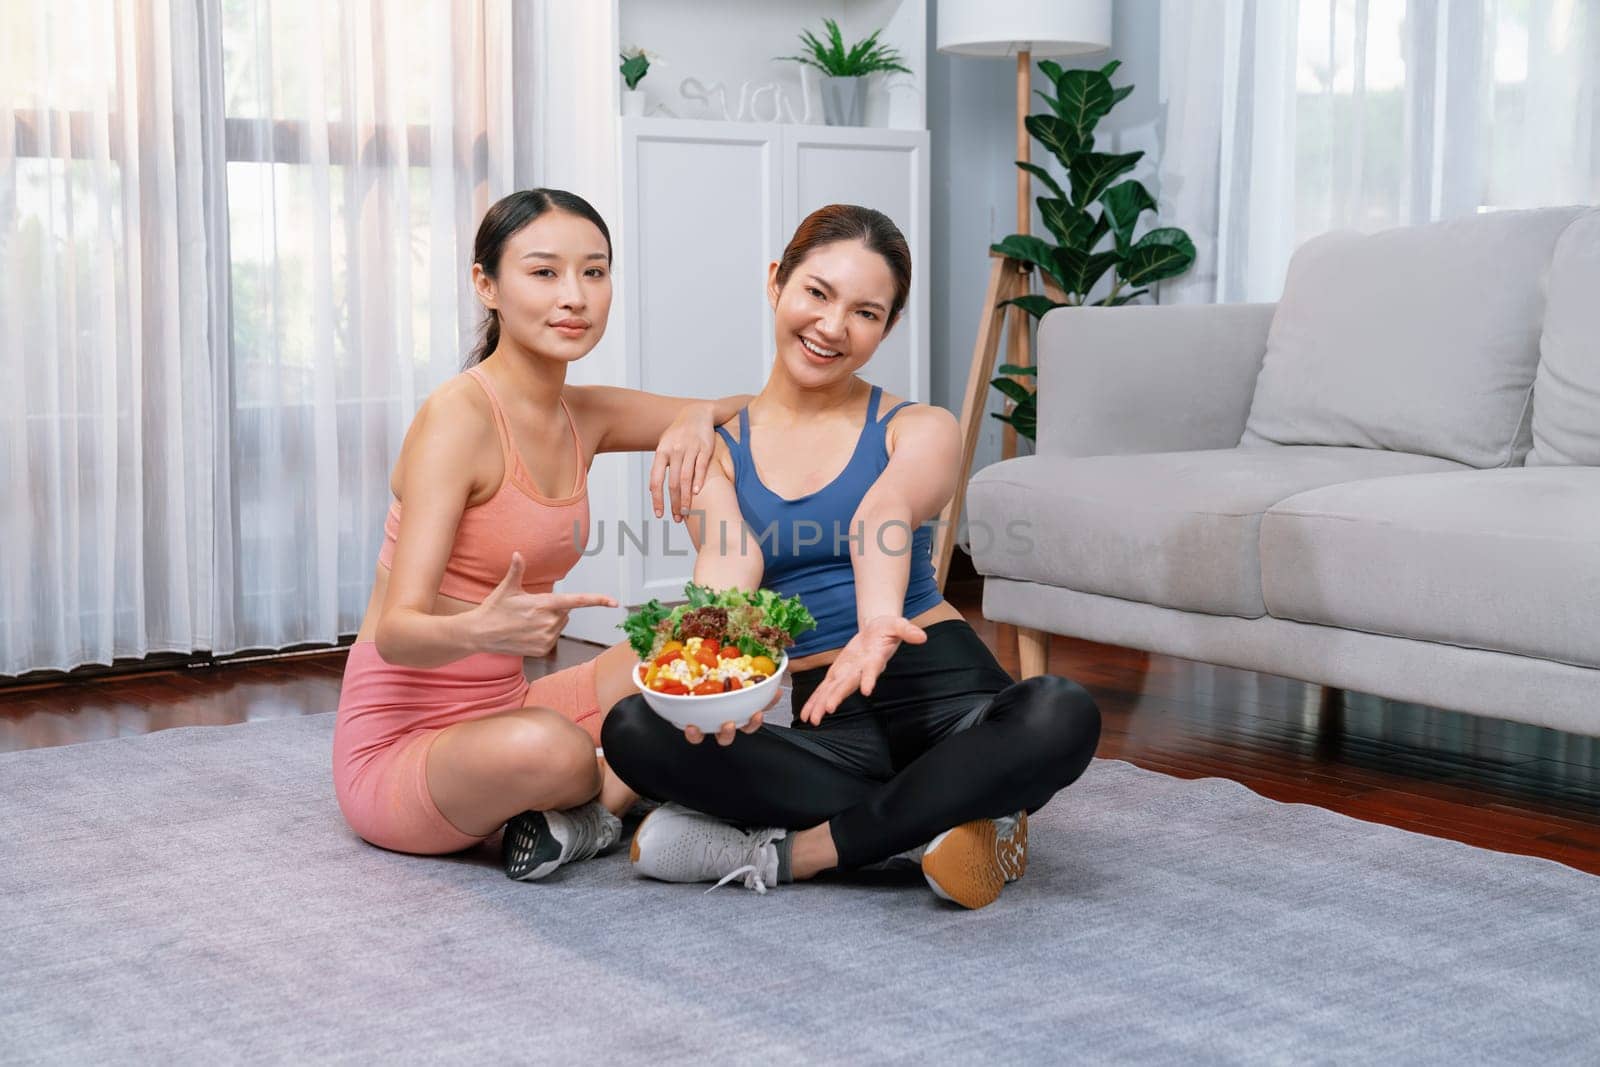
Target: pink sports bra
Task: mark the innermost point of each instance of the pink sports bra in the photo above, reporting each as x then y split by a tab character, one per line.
550	532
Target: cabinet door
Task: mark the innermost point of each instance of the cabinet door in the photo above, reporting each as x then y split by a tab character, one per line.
886	170
701	223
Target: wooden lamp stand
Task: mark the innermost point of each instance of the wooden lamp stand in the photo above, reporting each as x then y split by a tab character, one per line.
1007	278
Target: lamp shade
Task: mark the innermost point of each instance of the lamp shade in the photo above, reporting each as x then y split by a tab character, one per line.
1005	27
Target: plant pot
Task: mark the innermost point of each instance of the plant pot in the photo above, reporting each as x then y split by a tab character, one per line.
844	101
633	101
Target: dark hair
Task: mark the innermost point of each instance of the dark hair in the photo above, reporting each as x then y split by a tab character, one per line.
501	222
851	222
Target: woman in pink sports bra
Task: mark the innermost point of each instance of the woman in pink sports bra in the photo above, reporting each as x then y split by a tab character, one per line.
439	740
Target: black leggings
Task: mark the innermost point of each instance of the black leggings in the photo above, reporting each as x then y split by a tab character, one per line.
946	737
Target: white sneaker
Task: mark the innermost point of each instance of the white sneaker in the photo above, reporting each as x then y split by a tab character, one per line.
537	842
971	863
675	844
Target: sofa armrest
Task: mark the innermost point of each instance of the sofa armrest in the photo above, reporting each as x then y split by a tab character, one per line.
1173	378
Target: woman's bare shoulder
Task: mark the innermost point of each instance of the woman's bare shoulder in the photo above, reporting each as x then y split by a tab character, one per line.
453	429
917	422
457	413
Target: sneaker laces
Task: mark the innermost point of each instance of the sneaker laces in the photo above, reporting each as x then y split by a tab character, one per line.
593	830
753	850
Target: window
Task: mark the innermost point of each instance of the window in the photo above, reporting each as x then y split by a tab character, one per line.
234	236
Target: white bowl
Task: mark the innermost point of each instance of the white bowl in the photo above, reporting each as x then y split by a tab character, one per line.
737	706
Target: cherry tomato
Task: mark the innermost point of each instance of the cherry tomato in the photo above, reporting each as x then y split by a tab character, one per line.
705	689
730	652
667	685
707	656
731	684
667	657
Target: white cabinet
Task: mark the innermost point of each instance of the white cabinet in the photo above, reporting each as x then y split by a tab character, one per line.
702	217
706	206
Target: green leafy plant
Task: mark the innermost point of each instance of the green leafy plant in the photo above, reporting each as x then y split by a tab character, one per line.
1092	219
866	56
635	65
1024	414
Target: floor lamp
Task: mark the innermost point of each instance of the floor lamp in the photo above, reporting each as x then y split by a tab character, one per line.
1024	30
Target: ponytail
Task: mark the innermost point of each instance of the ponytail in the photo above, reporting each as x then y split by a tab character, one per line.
490	339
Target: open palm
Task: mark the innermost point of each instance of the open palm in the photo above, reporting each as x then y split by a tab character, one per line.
859	663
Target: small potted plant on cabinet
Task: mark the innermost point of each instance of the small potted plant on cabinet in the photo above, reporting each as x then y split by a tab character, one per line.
635	65
846	70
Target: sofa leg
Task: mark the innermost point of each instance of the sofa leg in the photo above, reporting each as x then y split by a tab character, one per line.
1033	648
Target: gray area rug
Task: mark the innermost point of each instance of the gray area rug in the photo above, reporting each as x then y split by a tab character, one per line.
193	896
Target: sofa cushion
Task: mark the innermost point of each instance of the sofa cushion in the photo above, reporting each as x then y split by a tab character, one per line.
1422	339
1176	529
1507	560
1566	392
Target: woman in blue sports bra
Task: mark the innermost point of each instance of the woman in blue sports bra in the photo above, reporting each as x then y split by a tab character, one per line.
910	739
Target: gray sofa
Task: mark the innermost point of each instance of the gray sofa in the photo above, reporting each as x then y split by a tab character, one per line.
1387	482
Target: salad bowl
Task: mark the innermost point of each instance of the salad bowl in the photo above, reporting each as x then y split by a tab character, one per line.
710	711
717	658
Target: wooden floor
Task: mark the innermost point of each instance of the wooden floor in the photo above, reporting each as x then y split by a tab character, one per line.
1489	783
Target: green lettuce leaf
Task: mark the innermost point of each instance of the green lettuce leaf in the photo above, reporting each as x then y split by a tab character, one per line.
751	647
641	627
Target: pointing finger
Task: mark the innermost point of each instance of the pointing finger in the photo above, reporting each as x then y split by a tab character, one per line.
571	601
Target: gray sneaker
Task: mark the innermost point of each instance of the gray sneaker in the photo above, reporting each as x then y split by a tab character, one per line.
675	844
537	842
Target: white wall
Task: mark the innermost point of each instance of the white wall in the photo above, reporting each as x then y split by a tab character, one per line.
972	116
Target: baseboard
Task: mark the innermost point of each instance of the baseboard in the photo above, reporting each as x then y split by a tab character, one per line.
199	659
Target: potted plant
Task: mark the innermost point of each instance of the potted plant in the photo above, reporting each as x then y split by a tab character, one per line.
635	65
844	87
1092	221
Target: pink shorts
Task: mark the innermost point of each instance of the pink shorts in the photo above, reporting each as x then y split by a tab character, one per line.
388	719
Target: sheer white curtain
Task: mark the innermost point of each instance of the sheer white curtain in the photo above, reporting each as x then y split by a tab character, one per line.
1288	119
113	537
233	244
365	140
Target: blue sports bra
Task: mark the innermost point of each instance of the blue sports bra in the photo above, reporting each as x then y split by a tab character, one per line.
806	543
